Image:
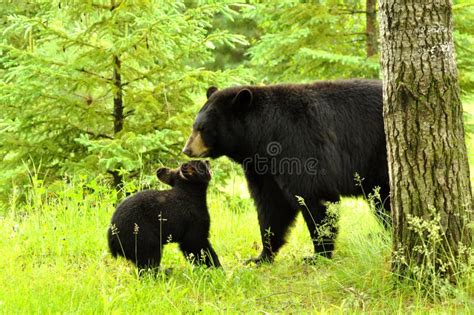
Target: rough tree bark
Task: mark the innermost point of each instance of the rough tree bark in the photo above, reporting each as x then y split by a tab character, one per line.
429	173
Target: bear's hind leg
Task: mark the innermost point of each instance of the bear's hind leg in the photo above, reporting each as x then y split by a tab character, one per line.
199	251
145	249
149	260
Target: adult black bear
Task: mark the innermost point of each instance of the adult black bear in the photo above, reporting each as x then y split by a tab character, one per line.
147	220
304	140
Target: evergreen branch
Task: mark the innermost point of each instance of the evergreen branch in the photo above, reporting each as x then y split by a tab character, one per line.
54	62
464	48
95	135
99	135
462	6
345	12
63	35
354	41
114	5
143	76
352	34
146	75
101	6
94	74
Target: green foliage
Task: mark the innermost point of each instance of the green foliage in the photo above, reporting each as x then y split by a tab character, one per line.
304	41
464	41
325	39
468	106
58	82
58	66
234	56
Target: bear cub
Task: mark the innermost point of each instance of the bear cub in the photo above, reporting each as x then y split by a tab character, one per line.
149	219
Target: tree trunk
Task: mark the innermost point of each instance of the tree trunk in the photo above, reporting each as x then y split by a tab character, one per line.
118	96
118	107
117	181
429	173
371	28
118	114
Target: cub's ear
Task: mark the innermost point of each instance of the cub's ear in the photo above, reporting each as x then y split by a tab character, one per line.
165	175
211	91
243	99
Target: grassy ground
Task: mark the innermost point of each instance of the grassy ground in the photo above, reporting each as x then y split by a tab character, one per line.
54	259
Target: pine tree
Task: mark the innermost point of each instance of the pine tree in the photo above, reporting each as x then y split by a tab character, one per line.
102	86
312	41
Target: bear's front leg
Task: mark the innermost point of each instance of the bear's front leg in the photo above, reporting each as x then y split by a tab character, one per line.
275	215
321	226
211	259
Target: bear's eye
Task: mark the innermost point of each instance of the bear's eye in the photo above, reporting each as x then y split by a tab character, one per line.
201	128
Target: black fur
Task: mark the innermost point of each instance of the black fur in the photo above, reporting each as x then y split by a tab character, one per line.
336	124
176	215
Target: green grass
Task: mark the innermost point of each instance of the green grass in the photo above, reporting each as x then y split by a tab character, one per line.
54	258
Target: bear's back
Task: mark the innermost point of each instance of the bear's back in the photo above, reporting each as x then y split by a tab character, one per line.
350	95
175	209
340	123
139	209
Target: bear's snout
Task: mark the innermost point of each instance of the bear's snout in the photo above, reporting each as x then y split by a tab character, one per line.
195	146
187	151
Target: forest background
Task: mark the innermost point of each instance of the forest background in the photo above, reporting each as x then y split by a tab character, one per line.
96	95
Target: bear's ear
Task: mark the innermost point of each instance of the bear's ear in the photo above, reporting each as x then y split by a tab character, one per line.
210	91
165	175
243	99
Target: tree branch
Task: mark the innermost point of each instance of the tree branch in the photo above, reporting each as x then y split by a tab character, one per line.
97	135
352	34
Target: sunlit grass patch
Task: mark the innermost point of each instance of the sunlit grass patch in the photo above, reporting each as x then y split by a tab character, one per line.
55	259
